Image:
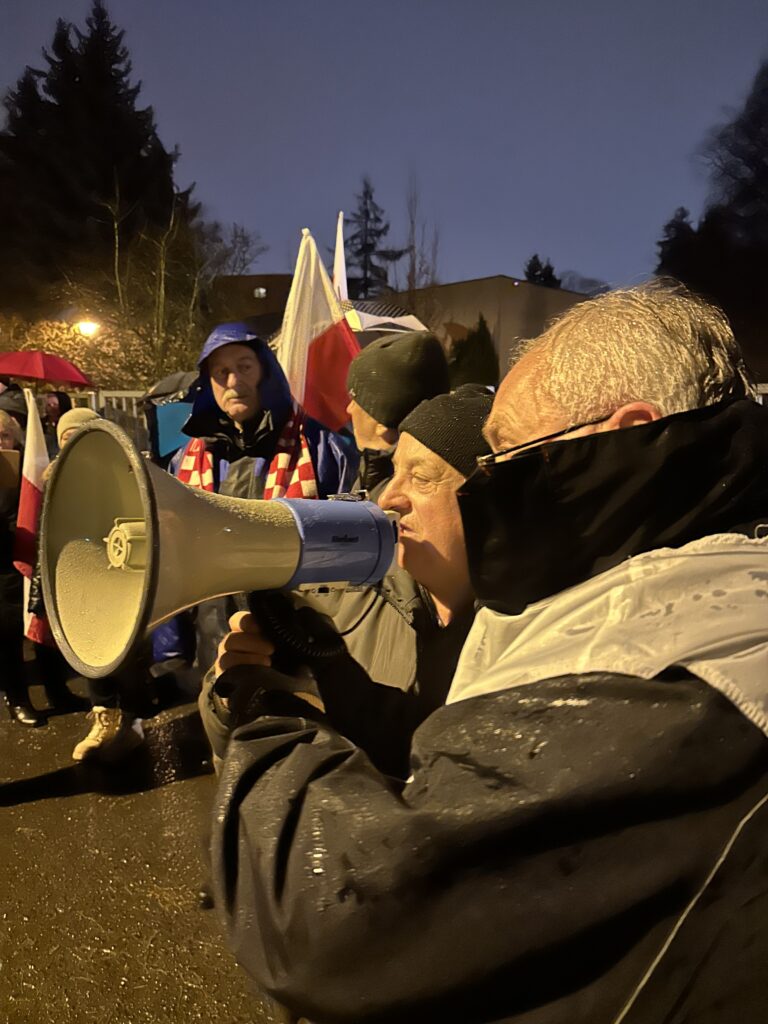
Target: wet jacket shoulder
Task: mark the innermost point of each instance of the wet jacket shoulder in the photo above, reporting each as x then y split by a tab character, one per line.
547	863
334	456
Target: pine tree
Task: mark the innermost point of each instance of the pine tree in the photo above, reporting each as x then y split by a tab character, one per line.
91	220
725	256
82	170
364	244
541	273
473	359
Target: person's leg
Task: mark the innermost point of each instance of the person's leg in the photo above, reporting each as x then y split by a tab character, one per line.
54	673
115	730
14	681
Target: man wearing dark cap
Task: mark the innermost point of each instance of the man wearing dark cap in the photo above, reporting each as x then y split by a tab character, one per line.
386	381
410	637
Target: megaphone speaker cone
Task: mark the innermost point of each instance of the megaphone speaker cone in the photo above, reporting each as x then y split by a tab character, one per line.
125	546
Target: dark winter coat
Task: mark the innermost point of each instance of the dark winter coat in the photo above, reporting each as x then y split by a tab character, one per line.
11	598
397	671
581	847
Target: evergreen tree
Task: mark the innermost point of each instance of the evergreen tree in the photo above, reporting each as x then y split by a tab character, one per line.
90	218
725	256
473	359
541	273
82	170
364	244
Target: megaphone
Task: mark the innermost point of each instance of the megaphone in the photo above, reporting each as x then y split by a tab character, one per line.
125	546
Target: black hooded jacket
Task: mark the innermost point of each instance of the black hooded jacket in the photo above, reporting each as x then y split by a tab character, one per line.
589	848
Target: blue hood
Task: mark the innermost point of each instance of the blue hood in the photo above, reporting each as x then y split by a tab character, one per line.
274	391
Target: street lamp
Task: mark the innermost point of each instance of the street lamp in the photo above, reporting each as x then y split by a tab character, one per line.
87	328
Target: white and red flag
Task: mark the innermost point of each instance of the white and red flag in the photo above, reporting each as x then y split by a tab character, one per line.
28	519
340	262
316	343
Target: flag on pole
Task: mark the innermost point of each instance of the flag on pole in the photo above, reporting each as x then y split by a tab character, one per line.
316	343
28	519
340	262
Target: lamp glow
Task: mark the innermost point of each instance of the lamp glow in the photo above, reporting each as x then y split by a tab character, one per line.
87	328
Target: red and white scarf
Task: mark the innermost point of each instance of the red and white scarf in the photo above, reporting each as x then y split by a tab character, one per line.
291	472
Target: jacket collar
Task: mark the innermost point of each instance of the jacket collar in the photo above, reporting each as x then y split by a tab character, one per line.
561	514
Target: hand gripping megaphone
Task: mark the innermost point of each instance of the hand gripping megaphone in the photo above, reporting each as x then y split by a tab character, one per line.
125	546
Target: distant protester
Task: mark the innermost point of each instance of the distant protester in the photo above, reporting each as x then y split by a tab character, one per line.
12	401
55	405
13	677
250	439
386	381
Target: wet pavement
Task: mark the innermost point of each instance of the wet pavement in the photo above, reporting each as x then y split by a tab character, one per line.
99	873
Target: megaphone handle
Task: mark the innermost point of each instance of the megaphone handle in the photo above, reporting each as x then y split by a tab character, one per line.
296	646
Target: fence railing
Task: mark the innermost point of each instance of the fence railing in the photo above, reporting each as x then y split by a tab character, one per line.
120	407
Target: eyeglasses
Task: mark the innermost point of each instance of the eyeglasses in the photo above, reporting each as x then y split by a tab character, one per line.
487	462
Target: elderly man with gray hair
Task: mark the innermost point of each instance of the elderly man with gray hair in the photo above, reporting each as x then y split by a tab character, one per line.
584	837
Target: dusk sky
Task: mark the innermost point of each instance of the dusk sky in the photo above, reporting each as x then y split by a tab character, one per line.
570	129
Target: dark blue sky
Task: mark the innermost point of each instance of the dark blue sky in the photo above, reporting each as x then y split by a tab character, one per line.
566	128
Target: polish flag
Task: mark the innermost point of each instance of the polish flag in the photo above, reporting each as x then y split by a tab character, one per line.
28	519
316	343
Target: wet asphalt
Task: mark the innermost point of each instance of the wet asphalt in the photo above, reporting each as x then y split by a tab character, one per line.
99	874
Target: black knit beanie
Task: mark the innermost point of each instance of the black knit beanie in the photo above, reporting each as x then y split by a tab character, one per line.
394	373
450	426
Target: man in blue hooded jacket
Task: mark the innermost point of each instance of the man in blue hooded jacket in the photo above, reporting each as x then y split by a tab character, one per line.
250	439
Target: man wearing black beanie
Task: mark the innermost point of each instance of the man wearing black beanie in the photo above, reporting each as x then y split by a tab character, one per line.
410	635
386	381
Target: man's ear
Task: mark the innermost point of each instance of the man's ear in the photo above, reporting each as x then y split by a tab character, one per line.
634	414
387	434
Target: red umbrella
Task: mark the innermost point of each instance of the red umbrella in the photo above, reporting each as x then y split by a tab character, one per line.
33	364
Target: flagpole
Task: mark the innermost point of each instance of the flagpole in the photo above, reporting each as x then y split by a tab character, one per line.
340	262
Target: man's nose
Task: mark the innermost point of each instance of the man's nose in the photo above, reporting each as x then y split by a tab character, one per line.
232	380
392	499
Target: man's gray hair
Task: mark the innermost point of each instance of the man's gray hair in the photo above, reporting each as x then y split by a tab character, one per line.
655	343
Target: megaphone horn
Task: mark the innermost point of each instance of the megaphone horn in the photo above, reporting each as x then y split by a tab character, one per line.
125	546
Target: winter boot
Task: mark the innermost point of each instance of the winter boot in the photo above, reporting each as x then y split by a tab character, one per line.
114	733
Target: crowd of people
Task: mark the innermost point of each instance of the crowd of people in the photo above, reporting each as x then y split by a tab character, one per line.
533	785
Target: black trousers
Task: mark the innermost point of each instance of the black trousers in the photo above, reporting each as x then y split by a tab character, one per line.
13	680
